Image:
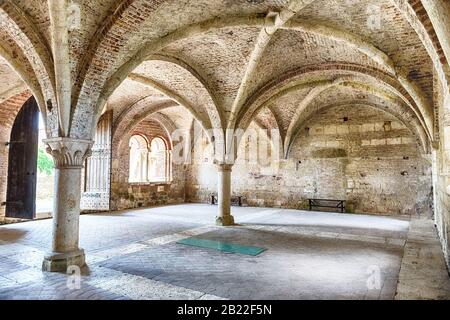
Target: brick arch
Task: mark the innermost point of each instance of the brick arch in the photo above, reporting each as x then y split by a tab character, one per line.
206	109
164	139
22	67
215	112
151	48
199	114
273	87
423	17
97	41
167	124
141	109
272	117
260	123
30	56
109	80
107	42
112	82
395	110
142	136
318	90
416	15
136	113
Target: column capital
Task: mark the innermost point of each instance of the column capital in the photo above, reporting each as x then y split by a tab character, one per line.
224	167
435	145
69	152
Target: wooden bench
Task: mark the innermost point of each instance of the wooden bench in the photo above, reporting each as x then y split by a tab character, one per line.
236	201
327	203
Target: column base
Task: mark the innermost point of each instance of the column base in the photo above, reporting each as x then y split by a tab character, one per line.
59	262
225	221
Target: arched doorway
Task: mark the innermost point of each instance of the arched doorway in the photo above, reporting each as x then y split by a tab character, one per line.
22	163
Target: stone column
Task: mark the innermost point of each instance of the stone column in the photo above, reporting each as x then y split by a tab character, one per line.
145	161
224	217
168	165
69	156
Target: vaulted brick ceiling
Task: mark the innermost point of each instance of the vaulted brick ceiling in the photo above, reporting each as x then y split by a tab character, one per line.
213	58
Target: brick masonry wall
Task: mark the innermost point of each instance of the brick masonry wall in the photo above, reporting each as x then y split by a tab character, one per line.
125	195
369	159
8	112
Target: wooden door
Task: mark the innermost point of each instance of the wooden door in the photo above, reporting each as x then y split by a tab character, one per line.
22	163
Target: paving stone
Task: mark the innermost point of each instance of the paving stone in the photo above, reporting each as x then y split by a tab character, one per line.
305	258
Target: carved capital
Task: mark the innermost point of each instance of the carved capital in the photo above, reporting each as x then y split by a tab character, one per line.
222	167
68	152
224	162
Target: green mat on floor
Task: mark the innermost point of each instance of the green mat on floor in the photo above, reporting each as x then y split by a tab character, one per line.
222	246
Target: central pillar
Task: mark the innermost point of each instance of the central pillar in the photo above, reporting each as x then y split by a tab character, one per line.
224	217
69	156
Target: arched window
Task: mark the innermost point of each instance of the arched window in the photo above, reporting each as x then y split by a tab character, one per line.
138	159
149	164
159	162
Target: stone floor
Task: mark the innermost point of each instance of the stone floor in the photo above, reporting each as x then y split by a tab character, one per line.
311	255
423	274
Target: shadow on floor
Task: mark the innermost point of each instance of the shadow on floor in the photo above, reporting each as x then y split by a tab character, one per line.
12	235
